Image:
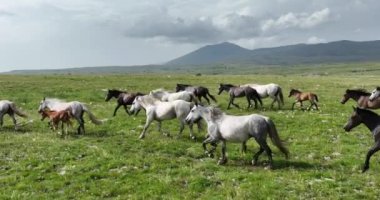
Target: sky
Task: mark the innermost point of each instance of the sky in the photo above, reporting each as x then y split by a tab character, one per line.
51	34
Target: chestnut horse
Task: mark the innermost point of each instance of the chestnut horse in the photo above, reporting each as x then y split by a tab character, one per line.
362	98
304	96
56	117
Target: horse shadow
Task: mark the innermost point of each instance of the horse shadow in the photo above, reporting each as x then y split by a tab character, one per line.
12	129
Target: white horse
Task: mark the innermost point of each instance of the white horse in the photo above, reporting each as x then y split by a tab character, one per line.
172	96
375	94
160	111
8	107
271	90
223	127
76	109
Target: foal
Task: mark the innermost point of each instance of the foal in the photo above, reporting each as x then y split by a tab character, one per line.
304	96
55	117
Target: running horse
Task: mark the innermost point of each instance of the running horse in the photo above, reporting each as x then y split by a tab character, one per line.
198	91
304	96
236	91
222	128
362	98
372	121
122	98
76	109
271	90
10	108
56	117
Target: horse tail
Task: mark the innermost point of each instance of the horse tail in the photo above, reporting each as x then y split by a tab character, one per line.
316	97
17	111
212	97
273	134
279	93
92	116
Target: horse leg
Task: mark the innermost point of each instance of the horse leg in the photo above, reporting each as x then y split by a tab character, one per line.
14	120
1	120
159	125
249	101
192	136
232	102
272	104
244	147
263	147
208	100
223	159
294	104
146	126
213	143
371	151
126	110
117	107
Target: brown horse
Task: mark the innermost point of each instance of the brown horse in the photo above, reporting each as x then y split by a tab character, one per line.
372	121
198	91
56	117
362	98
304	96
123	99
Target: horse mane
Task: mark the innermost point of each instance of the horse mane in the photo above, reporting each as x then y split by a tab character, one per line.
216	113
228	85
54	100
119	91
360	91
368	112
295	90
148	99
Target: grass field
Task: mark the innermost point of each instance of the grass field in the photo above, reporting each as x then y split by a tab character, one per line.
109	161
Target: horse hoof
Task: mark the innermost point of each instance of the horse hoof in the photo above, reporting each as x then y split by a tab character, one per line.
193	137
222	161
365	168
210	155
254	163
141	137
270	166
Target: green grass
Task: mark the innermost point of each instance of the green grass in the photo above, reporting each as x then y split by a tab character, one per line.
109	161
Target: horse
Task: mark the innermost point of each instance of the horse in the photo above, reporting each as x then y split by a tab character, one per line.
10	108
362	98
222	127
198	91
160	111
304	96
76	109
236	91
56	117
163	95
375	94
372	121
123	99
271	90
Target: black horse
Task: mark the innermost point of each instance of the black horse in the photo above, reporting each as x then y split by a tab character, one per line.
237	91
372	121
123	99
198	91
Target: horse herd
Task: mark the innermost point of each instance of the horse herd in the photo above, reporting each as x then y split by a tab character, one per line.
185	105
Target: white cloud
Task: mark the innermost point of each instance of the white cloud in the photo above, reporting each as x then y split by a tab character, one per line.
315	40
297	20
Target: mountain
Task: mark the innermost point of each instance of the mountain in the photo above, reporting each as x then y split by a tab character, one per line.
218	53
332	52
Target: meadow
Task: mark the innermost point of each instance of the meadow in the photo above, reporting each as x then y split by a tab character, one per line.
109	161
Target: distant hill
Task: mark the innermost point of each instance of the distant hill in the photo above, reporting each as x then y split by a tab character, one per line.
231	58
334	52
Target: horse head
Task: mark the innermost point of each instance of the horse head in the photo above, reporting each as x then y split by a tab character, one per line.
354	120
